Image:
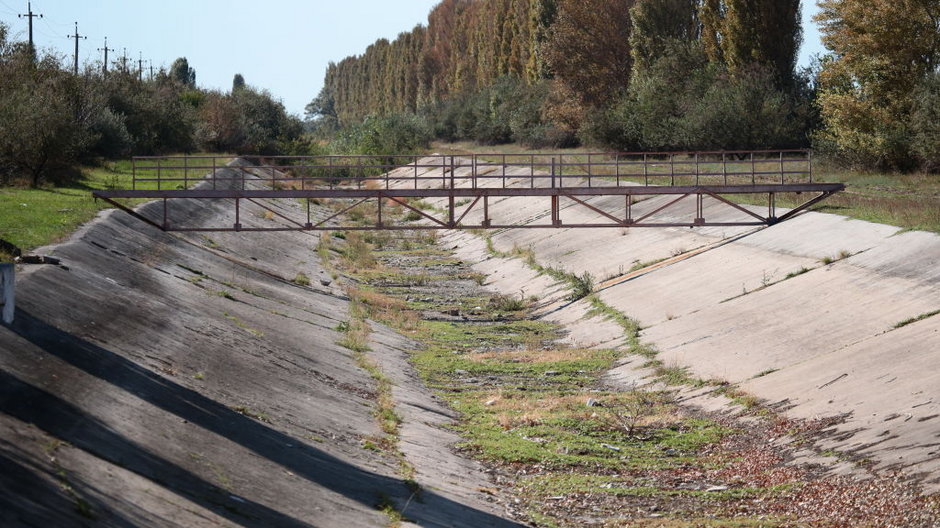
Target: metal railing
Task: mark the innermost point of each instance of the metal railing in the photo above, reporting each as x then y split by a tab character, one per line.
533	170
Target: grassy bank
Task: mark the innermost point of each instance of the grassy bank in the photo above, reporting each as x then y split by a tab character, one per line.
34	217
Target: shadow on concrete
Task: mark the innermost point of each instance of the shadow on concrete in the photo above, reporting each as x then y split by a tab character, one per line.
29	498
71	424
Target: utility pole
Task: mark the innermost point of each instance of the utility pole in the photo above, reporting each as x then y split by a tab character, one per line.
106	49
124	61
140	66
151	69
77	37
30	16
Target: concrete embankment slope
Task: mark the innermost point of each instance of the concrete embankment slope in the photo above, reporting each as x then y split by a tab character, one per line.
164	380
818	316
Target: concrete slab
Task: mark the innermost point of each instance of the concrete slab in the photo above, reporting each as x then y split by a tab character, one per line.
822	340
188	380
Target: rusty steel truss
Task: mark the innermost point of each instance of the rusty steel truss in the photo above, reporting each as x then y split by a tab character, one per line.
622	190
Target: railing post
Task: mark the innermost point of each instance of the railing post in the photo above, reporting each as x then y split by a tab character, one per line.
782	172
724	168
553	173
590	169
809	162
696	168
646	170
617	163
532	171
7	291
473	172
753	171
213	173
450	198
672	169
134	173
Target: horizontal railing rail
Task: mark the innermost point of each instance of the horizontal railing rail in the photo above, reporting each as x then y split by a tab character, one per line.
554	170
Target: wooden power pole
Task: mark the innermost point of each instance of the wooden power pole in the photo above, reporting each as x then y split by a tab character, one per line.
30	16
106	49
77	37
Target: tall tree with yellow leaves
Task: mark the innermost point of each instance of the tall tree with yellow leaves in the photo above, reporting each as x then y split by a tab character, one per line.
882	50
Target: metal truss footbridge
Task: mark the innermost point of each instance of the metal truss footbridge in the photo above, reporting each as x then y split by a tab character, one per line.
479	191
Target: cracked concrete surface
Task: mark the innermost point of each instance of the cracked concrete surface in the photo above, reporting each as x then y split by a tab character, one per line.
801	314
187	380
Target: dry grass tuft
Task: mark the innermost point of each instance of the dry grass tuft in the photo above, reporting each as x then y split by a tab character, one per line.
358	254
636	409
388	309
531	354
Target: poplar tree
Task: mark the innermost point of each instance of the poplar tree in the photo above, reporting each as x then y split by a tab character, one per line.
589	49
764	32
658	25
542	14
744	33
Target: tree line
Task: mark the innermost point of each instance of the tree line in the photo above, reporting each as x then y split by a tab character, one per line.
52	119
653	75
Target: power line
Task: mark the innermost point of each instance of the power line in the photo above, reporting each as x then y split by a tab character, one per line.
55	30
9	10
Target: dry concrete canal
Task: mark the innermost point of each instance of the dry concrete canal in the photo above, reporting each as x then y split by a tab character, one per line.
721	376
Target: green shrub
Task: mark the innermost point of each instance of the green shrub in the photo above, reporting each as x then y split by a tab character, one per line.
703	108
581	286
394	134
925	123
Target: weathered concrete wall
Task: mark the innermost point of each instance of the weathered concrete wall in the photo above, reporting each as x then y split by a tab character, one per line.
822	342
186	380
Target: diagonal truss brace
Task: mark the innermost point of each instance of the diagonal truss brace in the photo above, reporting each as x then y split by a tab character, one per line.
455	216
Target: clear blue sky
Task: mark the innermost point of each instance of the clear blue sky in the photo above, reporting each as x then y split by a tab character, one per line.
281	45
